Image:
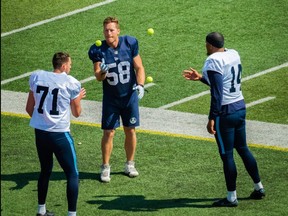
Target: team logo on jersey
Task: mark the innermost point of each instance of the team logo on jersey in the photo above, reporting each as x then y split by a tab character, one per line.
133	120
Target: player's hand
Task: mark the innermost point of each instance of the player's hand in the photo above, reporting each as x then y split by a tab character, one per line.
191	74
104	68
210	126
140	90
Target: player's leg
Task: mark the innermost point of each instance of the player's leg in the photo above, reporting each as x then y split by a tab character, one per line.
130	118
66	155
224	127
45	155
246	155
110	121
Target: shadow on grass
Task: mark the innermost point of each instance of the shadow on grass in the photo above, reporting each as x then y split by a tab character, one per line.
22	179
138	203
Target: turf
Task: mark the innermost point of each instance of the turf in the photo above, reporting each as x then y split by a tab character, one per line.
178	176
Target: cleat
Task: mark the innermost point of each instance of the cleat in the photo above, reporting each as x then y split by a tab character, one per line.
105	173
225	203
258	194
130	169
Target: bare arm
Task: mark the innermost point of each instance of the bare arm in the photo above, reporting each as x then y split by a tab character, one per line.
76	103
140	71
30	103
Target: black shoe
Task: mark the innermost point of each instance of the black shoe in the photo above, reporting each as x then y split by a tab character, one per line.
46	214
258	194
225	203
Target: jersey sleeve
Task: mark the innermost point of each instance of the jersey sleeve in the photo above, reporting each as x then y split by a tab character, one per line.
213	65
74	88
32	79
133	43
95	54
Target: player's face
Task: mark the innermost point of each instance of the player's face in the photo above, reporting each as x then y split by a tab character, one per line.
111	33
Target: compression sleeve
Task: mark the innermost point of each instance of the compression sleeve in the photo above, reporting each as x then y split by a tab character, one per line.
216	89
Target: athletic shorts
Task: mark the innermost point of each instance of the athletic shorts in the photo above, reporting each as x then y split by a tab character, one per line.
125	107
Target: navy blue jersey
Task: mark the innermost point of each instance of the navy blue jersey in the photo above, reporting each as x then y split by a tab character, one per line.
121	77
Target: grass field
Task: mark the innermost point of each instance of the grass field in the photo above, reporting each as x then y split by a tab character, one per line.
177	175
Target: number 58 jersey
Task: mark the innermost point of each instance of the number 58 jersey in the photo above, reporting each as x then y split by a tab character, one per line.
53	93
228	64
121	77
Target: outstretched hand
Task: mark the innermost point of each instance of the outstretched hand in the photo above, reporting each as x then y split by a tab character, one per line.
191	74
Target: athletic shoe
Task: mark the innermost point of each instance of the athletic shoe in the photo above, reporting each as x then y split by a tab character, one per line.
105	173
225	203
258	194
46	214
130	169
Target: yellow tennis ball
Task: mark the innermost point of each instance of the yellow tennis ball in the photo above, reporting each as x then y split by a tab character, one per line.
150	31
98	43
149	79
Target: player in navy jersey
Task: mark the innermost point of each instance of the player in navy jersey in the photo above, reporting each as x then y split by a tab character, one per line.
222	72
51	96
118	65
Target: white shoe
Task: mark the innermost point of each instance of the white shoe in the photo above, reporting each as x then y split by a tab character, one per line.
130	169
105	173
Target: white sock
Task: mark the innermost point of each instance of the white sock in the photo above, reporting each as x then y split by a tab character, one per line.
42	209
258	186
231	196
71	213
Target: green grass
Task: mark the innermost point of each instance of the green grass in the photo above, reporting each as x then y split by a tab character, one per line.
178	176
251	27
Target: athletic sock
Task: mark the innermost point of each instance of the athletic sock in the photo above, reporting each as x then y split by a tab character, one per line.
70	213
258	186
231	196
42	209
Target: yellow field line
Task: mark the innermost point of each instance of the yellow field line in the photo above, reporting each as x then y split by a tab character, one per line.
156	133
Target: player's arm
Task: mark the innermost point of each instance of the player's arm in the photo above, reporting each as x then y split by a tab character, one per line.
139	69
100	71
75	104
30	103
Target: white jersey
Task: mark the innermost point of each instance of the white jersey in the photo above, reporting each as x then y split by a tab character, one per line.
53	93
228	64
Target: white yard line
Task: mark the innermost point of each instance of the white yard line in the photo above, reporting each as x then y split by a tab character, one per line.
16	78
183	100
57	17
259	101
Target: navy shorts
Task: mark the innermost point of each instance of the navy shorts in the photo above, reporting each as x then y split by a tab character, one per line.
125	107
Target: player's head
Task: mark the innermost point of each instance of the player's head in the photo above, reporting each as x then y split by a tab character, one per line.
111	30
62	62
214	41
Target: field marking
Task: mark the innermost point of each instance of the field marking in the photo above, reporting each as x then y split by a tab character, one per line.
57	17
17	77
166	134
183	100
259	101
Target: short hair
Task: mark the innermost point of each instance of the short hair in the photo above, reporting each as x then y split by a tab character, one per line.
216	39
59	59
111	20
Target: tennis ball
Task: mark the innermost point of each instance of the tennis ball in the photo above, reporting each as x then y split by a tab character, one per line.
149	79
150	31
98	43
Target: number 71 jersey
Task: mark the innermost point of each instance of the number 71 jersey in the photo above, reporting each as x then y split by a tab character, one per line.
53	93
228	64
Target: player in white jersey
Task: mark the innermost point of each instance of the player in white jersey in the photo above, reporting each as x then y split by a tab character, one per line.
52	98
222	72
